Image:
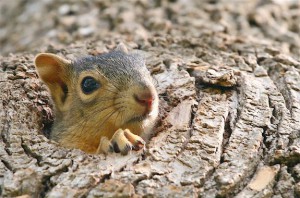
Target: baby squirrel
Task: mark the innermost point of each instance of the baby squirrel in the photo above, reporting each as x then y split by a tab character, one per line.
102	103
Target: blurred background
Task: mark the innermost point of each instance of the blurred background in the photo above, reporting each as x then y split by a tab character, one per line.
27	25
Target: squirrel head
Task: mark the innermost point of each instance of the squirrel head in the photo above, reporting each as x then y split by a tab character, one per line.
96	95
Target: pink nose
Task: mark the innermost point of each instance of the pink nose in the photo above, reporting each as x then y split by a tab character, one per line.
144	99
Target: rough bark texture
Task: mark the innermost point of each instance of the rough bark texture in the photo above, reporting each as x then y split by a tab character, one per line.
228	76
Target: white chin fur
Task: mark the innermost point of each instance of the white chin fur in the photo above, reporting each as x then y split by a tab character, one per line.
148	125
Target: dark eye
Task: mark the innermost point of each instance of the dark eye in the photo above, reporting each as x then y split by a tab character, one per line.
89	84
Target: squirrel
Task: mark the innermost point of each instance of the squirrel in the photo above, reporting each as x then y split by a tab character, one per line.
102	103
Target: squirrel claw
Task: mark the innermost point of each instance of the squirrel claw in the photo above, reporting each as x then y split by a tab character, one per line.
138	146
120	143
124	150
137	142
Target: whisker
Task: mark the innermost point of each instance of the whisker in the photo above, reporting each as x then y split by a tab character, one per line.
110	91
105	99
110	98
110	114
97	111
117	107
120	111
93	113
85	121
84	124
115	87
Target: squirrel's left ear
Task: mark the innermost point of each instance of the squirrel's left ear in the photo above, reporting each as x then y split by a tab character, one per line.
121	47
55	72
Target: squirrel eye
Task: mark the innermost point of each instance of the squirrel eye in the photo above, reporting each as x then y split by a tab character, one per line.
89	85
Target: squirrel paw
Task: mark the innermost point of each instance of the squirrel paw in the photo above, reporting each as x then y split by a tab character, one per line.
105	146
122	142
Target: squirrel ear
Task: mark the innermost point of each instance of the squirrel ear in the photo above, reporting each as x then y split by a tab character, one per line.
121	47
54	71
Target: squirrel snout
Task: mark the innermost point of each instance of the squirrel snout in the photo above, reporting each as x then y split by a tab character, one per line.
145	99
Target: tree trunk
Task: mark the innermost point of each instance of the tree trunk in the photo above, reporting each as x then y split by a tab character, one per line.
229	122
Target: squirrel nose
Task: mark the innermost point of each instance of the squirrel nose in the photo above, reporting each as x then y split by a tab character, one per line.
144	99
